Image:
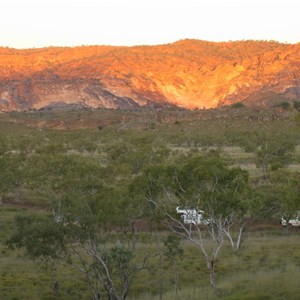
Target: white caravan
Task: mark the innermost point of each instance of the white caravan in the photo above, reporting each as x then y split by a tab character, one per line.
295	221
191	215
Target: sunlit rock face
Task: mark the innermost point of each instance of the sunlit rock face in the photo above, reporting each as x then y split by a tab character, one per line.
187	73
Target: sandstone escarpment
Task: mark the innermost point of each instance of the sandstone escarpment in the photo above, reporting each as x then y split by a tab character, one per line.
188	73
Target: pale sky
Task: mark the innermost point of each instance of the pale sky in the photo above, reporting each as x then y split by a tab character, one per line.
41	23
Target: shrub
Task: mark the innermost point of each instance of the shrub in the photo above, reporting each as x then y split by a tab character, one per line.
238	105
284	105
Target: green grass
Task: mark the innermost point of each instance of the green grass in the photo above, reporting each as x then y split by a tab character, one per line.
23	278
276	284
267	267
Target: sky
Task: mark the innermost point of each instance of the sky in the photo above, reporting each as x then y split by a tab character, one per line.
42	23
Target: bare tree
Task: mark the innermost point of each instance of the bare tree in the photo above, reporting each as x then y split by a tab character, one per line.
200	182
208	238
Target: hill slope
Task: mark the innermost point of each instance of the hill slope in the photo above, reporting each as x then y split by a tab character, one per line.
187	73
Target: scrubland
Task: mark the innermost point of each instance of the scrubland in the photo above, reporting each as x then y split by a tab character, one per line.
81	154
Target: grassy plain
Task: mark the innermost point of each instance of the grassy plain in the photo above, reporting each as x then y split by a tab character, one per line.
267	267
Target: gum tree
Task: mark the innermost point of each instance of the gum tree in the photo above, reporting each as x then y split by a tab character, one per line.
200	182
173	252
77	228
271	150
286	187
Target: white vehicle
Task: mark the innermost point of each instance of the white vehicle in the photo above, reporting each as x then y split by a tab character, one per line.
192	215
295	222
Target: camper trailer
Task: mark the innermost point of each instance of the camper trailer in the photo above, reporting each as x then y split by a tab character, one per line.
294	222
192	215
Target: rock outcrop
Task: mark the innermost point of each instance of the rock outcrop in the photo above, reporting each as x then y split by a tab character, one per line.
187	73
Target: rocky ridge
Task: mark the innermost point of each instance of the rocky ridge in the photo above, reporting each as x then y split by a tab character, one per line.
188	73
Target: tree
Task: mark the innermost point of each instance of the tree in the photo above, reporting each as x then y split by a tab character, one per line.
78	237
14	173
272	151
42	238
173	252
201	182
133	158
77	231
287	190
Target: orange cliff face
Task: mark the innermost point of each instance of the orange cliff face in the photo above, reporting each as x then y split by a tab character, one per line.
188	73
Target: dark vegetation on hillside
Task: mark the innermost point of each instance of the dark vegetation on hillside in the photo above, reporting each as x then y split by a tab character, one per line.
98	188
